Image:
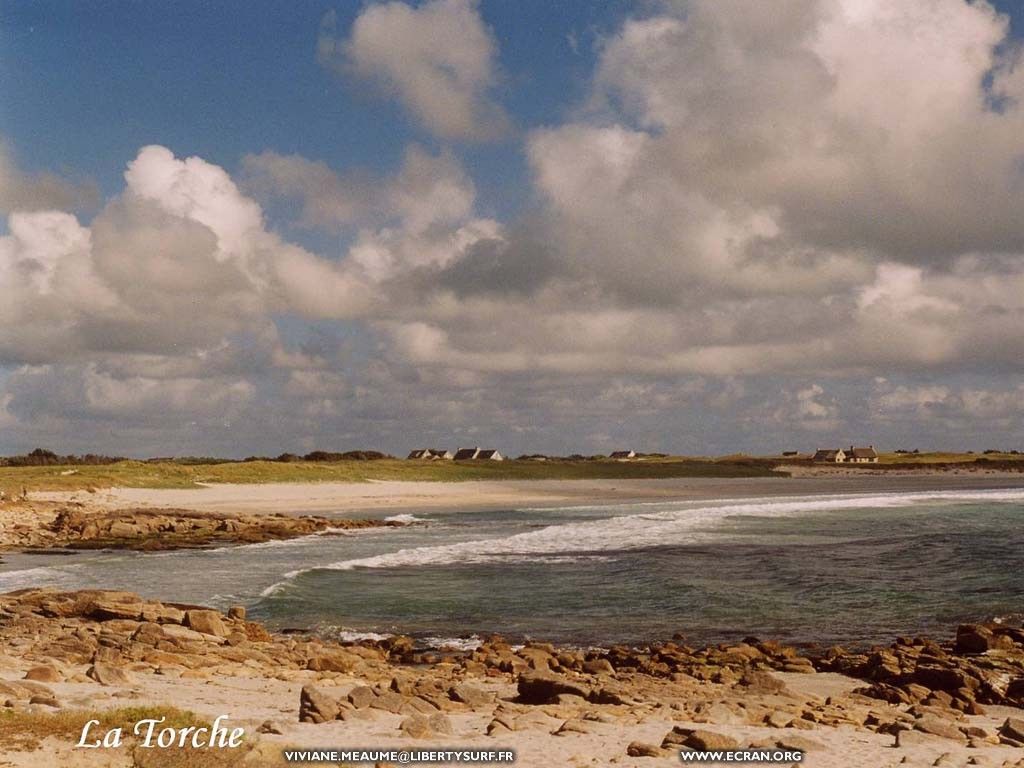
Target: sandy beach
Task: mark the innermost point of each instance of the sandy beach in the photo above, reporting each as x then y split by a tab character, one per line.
65	652
400	496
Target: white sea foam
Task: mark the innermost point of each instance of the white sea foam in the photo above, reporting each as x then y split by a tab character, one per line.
682	525
356	636
32	577
404	519
298	541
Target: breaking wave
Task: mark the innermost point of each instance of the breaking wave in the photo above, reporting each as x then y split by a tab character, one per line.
641	530
405	519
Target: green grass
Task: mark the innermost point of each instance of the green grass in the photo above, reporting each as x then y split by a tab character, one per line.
939	457
135	474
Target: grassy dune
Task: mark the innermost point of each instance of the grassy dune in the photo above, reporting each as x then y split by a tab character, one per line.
937	457
135	474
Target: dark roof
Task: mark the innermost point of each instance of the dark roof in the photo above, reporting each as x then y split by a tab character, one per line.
622	454
466	453
487	453
419	453
826	454
862	453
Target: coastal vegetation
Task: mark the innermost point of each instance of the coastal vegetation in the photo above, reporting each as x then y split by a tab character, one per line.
43	470
175	474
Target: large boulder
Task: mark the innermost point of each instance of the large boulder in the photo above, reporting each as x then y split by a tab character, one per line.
761	682
45	673
938	726
470	695
710	740
108	674
315	706
543	688
332	661
116	607
207	622
1013	728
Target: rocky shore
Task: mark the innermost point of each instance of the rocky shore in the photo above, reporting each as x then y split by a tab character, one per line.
917	702
35	526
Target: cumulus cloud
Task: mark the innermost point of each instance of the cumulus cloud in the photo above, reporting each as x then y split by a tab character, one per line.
20	191
438	59
753	213
820	185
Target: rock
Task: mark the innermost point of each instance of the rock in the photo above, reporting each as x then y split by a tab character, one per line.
641	749
440	724
909	738
237	612
1013	728
761	682
475	698
177	632
108	674
269	726
423	727
710	740
116	606
332	661
46	701
416	727
619	695
937	726
389	701
361	696
315	706
44	674
499	727
973	638
542	688
599	667
779	719
206	622
573	725
162	614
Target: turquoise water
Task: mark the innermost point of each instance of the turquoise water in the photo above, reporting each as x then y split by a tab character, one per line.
853	569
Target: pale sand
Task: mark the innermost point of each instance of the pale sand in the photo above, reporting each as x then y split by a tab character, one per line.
399	496
250	701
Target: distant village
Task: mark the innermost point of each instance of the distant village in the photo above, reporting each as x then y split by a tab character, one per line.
851	455
490	454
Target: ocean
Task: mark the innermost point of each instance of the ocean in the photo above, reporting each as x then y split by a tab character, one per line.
854	569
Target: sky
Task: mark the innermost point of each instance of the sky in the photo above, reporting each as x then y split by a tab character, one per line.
695	226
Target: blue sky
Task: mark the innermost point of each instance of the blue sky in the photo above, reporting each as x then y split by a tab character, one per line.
86	84
640	251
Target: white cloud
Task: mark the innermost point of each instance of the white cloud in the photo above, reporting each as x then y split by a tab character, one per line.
20	191
788	198
438	59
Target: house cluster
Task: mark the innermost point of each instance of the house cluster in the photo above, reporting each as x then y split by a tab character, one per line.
463	454
851	455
